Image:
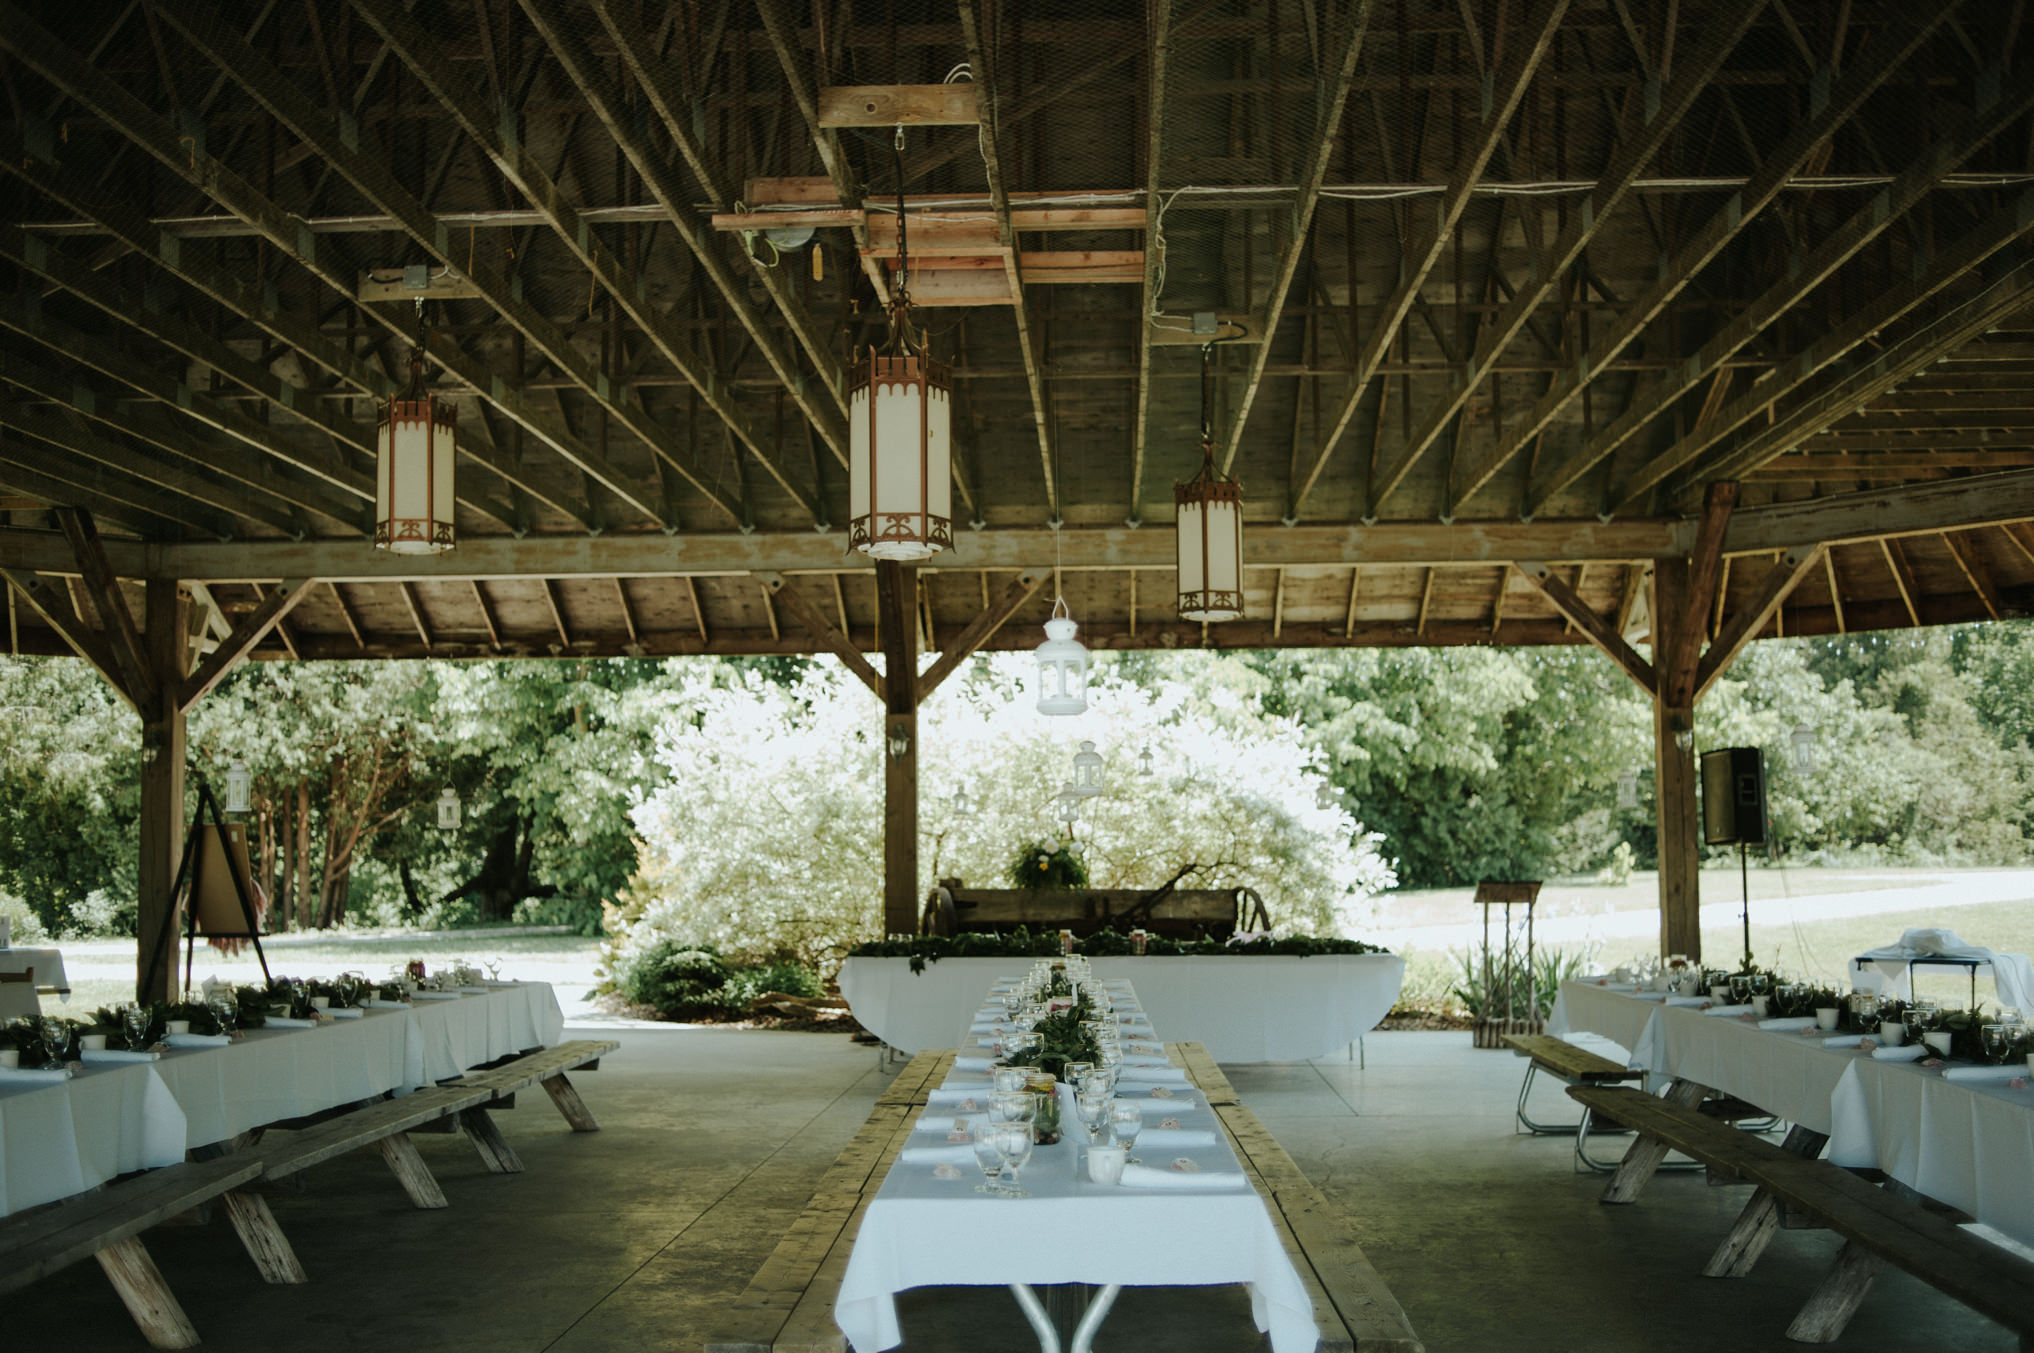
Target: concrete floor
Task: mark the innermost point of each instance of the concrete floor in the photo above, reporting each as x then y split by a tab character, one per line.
713	1140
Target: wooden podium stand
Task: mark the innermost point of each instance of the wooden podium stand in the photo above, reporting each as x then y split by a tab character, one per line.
1510	997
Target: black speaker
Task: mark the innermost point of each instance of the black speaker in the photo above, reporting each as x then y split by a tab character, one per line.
1734	797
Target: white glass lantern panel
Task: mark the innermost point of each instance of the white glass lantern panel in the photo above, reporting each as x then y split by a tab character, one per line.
900	483
1087	763
1062	670
414	480
1210	556
448	811
238	785
1627	790
1804	749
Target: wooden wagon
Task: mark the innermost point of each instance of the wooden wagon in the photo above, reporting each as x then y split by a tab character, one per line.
1180	913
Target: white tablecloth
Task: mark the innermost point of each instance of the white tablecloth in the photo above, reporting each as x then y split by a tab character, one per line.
1584	1007
1271	1009
48	965
63	1138
921	1231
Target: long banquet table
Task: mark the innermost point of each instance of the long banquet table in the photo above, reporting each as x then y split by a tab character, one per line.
924	1231
1274	1008
58	1138
1968	1144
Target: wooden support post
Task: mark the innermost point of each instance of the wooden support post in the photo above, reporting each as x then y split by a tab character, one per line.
1760	1220
570	1104
162	791
406	1163
1674	767
147	1297
895	601
1643	1160
495	1152
1836	1299
266	1244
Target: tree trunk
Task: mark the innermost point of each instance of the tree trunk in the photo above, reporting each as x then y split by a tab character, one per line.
303	880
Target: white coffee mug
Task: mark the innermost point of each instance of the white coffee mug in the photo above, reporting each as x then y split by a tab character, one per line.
1720	994
1825	1016
321	1002
1892	1033
1760	1005
1937	1039
92	1042
177	1026
1105	1164
9	1057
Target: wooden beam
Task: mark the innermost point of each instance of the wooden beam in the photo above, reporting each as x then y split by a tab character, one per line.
50	599
834	641
161	825
1903	577
409	595
698	611
628	614
1704	574
999	196
1835	592
1910	510
894	592
1593	626
1742	628
1904	32
557	613
951	105
1645	130
346	614
1349	616
824	401
1974	572
487	614
251	630
116	621
1157	61
1525	46
978	631
1331	95
1675	817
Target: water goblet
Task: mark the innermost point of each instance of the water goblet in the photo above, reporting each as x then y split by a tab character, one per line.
1094	1108
1013	1143
1012	1107
56	1040
1126	1121
224	1009
1077	1074
134	1022
987	1158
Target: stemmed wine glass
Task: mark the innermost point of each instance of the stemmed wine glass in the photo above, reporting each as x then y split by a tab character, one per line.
988	1157
56	1040
226	1010
1094	1106
1013	1143
1126	1121
134	1022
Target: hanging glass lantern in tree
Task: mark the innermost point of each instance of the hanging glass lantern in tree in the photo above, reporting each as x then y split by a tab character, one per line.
1087	766
414	455
1324	795
900	412
448	810
1627	789
1144	764
1069	805
1804	749
1208	531
963	806
1062	665
238	786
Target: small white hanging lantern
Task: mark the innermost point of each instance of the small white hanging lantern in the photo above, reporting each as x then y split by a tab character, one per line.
963	806
1087	766
1069	805
900	416
1804	749
414	455
1145	769
1208	530
1062	665
448	810
1324	795
1627	789
238	785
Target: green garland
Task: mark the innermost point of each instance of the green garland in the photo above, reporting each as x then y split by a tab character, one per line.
1061	1039
1021	943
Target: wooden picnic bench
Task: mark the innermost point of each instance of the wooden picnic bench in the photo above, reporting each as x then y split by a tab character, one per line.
1571	1065
1879	1225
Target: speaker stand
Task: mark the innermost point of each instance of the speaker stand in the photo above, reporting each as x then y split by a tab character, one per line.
1744	885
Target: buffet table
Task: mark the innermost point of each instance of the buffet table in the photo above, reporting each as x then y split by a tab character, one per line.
48	965
923	1231
58	1138
1245	1009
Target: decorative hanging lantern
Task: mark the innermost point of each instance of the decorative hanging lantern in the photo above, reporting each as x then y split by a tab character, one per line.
414	455
1144	764
900	413
448	810
1627	789
238	785
1069	804
1208	531
1804	749
1062	665
963	806
1324	795
1087	766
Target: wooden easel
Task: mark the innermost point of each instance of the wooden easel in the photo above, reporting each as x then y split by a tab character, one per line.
216	907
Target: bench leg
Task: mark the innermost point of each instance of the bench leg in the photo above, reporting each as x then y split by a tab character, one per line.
1646	1153
147	1297
406	1163
570	1104
1823	1317
495	1152
1761	1218
266	1244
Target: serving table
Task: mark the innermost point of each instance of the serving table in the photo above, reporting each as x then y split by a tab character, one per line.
48	964
921	1230
1274	1008
59	1138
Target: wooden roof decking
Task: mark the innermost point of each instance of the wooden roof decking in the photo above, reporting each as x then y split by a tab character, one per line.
1508	282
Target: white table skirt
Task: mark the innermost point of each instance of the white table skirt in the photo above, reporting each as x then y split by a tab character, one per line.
48	965
1270	1009
921	1231
60	1139
1584	1007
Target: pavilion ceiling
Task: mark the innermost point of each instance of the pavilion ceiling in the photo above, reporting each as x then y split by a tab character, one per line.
1497	281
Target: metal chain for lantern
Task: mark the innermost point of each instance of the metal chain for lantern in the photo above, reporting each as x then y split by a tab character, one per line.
1208	530
900	417
415	454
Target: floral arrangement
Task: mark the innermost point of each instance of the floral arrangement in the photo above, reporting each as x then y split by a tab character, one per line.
1048	864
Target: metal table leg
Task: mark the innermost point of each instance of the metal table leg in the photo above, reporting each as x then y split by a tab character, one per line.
1098	1310
1034	1311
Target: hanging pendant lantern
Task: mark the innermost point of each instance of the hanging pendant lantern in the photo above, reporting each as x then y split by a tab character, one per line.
238	786
1062	665
448	809
1627	789
1087	766
1144	763
1069	804
900	416
414	455
1208	530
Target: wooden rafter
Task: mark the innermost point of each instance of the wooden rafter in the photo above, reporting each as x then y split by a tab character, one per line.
1903	578
116	621
415	608
1524	50
834	641
1771	590
1157	59
557	613
50	599
1598	630
1705	575
480	604
979	630
1974	571
240	641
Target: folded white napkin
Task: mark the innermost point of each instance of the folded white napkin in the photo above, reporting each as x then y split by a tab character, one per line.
1911	1052
979	1095
1843	1041
434	995
1650	995
1155	1048
1985	1075
972	1063
1728	1010
1687	1000
1152	1177
198	1040
1789	1023
1156	1108
934	1121
377	1003
1154	1138
937	1155
285	1022
1146	1059
346	1012
1153	1075
51	1075
117	1055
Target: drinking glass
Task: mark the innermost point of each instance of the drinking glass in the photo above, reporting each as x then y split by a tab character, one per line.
1012	1108
987	1156
226	1010
1740	988
1126	1120
134	1022
1094	1109
56	1040
1013	1144
1077	1074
